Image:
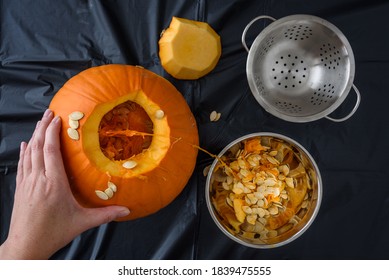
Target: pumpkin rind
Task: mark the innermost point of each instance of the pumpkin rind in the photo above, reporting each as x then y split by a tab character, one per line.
189	49
162	170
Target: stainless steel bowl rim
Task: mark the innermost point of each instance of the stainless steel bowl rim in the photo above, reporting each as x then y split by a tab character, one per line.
303	229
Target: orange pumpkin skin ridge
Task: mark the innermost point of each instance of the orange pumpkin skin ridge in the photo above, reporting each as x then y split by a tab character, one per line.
144	193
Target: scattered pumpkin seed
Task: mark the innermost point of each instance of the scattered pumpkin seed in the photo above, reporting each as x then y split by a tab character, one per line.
73	124
159	114
206	170
112	186
102	195
130	164
215	116
109	192
73	134
76	116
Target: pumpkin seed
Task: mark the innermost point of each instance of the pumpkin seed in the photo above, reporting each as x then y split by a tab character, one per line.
272	160
284	196
273	210
109	192
102	195
261	212
112	186
247	209
130	164
273	153
238	188
289	182
252	218
206	170
215	116
226	186
272	233
270	182
284	169
294	221
73	134
229	202
262	220
159	114
73	124
76	116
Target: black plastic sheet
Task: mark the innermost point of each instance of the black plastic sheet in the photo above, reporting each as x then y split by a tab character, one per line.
44	43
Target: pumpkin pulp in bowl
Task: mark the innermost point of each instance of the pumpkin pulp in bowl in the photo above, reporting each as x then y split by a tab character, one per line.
135	142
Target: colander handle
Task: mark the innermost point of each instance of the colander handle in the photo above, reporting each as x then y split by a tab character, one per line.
248	26
352	111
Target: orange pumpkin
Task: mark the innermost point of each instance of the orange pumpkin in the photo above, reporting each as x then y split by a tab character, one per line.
128	138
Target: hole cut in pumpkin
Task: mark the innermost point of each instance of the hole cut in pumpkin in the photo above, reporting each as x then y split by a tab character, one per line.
115	141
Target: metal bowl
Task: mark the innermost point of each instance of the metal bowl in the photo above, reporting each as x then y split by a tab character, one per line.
295	214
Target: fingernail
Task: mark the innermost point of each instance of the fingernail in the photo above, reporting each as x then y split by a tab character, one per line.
123	213
23	146
56	119
47	113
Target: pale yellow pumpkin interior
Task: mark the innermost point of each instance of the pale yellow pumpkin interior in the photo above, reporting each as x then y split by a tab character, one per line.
189	49
147	159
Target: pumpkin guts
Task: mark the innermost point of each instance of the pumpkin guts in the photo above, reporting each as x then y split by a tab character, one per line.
115	142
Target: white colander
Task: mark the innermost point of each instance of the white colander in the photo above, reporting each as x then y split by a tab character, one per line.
300	68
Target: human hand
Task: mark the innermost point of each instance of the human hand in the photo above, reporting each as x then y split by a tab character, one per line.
45	214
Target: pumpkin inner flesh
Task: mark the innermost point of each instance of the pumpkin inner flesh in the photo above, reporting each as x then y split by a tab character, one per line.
148	159
115	137
189	49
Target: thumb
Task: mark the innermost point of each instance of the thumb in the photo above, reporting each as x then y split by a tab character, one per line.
103	215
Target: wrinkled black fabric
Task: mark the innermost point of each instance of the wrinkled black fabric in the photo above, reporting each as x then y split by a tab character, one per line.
44	43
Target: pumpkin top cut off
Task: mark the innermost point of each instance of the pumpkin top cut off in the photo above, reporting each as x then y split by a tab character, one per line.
189	49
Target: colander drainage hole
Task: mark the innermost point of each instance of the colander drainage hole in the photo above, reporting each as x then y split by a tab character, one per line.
330	56
323	95
289	107
289	71
298	32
